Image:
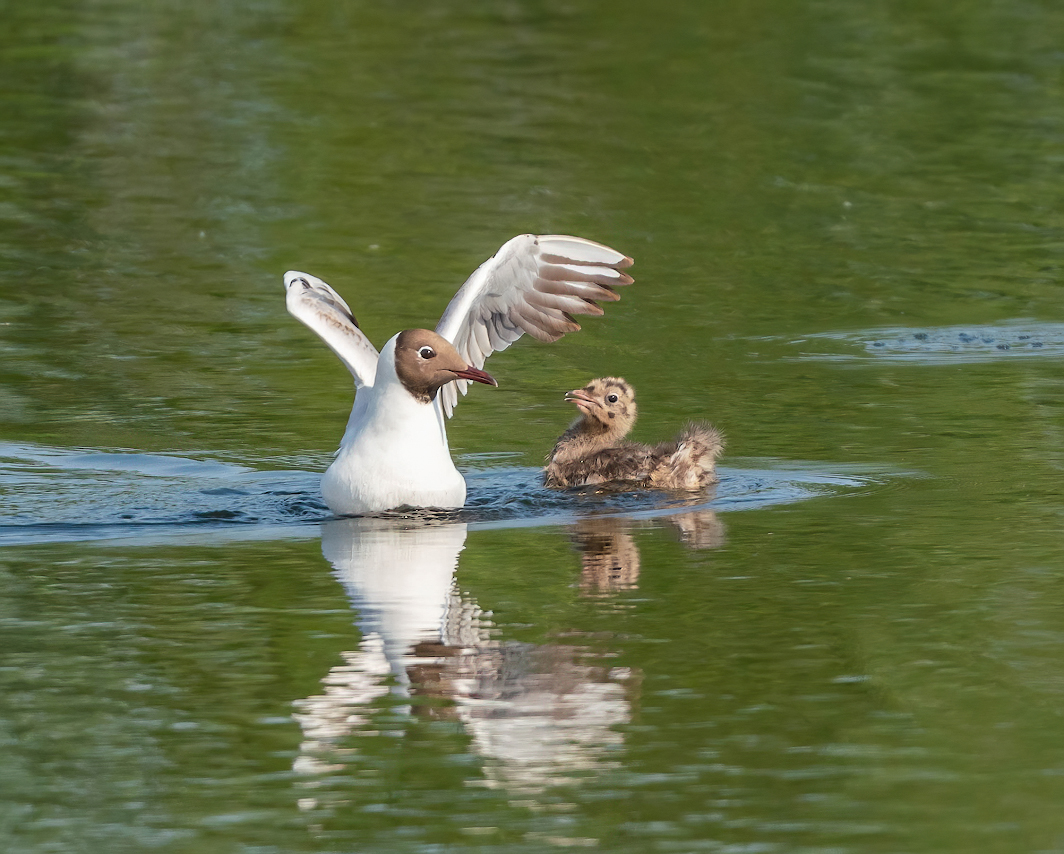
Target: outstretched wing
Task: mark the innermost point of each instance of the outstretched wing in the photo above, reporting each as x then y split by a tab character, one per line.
317	305
533	284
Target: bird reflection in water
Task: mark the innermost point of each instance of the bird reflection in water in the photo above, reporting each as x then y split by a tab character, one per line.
539	714
609	556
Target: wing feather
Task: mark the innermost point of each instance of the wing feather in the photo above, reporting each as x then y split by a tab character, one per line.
600	275
533	284
483	338
495	339
563	302
585	290
315	304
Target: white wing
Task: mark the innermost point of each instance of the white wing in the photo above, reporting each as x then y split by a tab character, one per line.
533	284
317	305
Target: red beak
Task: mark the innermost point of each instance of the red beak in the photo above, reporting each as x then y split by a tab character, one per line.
476	375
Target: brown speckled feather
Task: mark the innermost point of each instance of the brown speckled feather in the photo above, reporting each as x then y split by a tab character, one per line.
593	450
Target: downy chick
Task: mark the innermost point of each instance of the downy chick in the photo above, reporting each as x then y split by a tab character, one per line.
594	449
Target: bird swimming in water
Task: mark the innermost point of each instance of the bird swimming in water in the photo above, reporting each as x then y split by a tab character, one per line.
594	449
394	452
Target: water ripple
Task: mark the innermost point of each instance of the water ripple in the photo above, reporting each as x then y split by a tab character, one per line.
937	345
50	495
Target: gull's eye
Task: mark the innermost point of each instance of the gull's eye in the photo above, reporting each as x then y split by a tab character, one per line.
427	353
612	398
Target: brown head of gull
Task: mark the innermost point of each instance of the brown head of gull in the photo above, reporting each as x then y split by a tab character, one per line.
594	449
425	362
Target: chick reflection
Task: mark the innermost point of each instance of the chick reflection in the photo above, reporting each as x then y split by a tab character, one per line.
540	713
609	556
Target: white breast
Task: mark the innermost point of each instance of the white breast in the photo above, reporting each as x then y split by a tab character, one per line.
394	452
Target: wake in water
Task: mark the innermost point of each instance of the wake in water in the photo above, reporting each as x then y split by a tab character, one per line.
64	495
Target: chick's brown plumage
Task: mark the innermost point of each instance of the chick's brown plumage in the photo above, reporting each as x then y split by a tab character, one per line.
594	448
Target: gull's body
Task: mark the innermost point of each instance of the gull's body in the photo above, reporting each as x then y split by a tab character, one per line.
394	452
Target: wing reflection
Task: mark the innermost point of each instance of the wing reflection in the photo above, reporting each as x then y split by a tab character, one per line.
540	714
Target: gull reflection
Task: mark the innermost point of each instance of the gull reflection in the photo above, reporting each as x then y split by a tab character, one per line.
539	714
399	578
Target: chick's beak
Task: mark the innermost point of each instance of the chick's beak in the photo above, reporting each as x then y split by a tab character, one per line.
584	401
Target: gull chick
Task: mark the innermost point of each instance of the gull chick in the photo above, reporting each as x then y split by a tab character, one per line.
394	452
594	449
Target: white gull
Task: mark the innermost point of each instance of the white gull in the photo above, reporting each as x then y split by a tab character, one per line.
394	452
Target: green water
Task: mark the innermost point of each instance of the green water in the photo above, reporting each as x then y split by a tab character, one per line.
846	221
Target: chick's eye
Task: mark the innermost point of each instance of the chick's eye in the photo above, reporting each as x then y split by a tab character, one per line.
427	353
612	398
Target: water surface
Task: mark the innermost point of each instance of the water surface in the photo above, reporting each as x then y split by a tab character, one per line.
847	232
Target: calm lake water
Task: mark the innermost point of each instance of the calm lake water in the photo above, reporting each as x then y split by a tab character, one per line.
848	232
